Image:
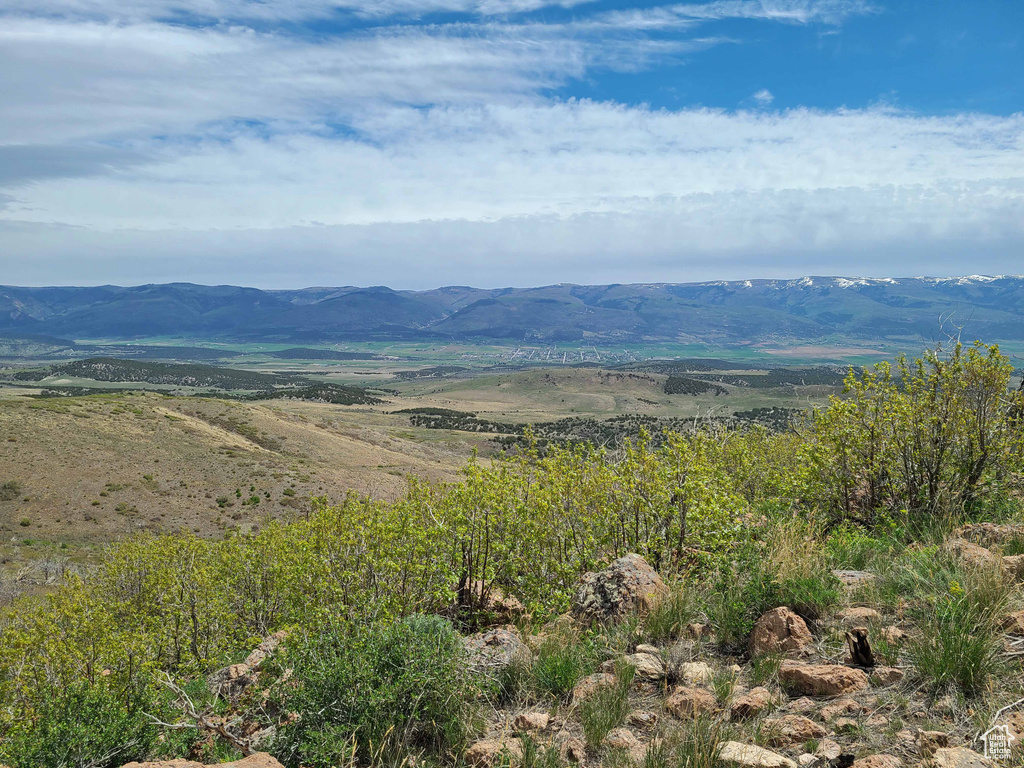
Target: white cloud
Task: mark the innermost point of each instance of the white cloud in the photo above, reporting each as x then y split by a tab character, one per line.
764	97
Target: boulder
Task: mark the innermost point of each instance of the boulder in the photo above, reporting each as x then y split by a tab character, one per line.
1013	567
751	704
806	759
648	667
990	534
487	753
780	630
628	585
790	729
687	703
958	757
590	684
733	753
531	721
233	679
821	679
970	553
651	649
495	649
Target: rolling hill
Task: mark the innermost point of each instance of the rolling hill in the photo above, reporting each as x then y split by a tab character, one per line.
724	312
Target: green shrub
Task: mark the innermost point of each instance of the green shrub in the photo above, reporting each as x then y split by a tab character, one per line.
956	607
87	724
562	659
10	490
377	694
669	618
694	743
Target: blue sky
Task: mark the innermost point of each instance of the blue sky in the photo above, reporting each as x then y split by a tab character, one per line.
417	143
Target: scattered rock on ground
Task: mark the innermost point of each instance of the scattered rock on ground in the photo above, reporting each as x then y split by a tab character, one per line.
989	534
790	729
495	649
531	721
1014	623
590	684
888	675
828	749
958	757
642	719
821	679
751	704
648	666
733	753
929	741
780	630
1013	567
488	752
690	702
878	761
570	748
626	586
259	760
621	738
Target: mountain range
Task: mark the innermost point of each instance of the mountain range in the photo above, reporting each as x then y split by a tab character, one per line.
722	312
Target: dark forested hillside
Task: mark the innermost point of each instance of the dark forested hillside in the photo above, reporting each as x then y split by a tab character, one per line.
720	312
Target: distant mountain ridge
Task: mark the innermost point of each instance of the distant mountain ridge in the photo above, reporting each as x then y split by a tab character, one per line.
723	312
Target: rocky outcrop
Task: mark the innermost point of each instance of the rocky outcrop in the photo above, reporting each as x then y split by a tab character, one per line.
233	679
780	630
495	649
859	616
647	666
821	679
628	585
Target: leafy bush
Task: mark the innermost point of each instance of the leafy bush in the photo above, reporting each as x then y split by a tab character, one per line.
88	724
376	694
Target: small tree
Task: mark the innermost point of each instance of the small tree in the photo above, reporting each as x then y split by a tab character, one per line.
925	436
